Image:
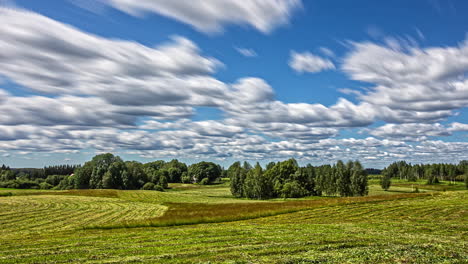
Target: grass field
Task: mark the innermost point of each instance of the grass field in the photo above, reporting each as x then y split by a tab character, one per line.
205	224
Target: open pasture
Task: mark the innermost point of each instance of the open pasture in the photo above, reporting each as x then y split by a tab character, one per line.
203	224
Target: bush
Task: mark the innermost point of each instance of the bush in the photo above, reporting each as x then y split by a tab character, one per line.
163	182
158	188
148	186
45	186
55	179
205	181
20	184
186	179
293	190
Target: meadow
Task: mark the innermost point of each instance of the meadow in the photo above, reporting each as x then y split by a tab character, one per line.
205	224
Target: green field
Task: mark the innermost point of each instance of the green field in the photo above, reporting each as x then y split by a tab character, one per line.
205	224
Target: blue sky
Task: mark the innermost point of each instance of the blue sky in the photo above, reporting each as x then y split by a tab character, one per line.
233	80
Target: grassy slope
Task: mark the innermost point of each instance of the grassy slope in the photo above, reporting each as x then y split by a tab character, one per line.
387	227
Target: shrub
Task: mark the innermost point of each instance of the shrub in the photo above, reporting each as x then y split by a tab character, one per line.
45	186
148	186
20	184
158	188
205	181
186	179
163	182
293	190
55	179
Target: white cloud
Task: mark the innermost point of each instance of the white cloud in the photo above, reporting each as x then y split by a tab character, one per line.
410	132
458	127
213	15
411	84
327	52
50	57
118	95
247	52
308	62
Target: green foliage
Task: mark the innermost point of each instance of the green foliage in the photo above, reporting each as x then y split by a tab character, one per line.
45	186
148	186
20	184
237	175
163	182
54	180
286	179
158	188
112	178
7	175
386	180
204	181
202	170
175	170
257	185
107	171
67	183
292	189
433	173
186	178
359	182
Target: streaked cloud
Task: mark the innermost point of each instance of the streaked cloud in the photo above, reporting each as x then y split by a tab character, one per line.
212	16
81	91
308	62
247	52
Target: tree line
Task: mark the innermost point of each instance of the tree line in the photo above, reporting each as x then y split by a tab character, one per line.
277	180
106	171
34	178
287	179
432	173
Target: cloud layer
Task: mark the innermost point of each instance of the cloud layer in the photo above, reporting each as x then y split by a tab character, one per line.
85	92
212	15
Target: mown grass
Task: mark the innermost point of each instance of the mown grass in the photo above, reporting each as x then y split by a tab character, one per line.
197	213
203	224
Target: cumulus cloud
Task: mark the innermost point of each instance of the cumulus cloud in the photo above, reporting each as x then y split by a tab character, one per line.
308	62
411	84
212	15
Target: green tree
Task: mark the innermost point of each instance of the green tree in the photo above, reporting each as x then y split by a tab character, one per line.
386	180
359	182
112	178
163	182
237	175
292	189
135	176
175	169
148	186
256	185
343	178
201	170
